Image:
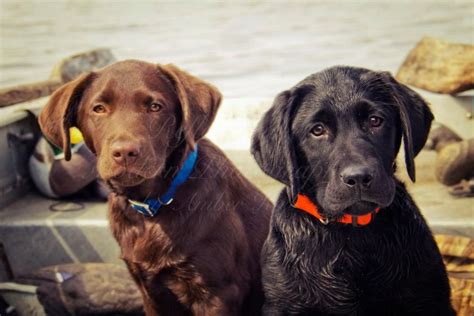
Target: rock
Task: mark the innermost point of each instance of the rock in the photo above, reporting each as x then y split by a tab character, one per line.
439	66
440	136
458	256
455	162
66	70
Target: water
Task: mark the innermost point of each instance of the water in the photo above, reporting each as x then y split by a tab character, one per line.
249	50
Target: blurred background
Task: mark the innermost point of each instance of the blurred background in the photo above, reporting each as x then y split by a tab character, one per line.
247	49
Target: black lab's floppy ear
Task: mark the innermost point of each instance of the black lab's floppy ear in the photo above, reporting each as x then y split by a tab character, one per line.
199	102
273	143
59	114
415	119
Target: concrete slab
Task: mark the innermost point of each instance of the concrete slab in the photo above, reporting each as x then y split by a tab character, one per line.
35	237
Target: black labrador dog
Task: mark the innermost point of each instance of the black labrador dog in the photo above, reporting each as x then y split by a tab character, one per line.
346	238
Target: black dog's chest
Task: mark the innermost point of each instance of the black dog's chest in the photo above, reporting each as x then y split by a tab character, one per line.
340	284
359	269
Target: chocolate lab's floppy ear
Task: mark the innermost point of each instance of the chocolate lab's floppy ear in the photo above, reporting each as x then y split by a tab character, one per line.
415	119
59	114
273	143
199	102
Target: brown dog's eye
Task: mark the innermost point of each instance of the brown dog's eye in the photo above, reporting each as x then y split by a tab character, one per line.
318	130
99	108
155	107
375	121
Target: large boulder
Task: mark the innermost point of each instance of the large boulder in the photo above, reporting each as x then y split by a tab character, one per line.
439	66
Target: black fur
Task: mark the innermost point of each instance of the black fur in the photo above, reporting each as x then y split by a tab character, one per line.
393	265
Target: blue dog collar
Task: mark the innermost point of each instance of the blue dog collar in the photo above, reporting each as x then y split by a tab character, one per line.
150	207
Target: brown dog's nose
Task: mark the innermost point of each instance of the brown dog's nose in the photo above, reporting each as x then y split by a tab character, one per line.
125	152
357	175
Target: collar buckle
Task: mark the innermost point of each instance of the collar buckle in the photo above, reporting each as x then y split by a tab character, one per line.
324	221
148	210
165	203
142	208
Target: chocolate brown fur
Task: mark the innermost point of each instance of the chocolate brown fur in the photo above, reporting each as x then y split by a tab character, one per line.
200	254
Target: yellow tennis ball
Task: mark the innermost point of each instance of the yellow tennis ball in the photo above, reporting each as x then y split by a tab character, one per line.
76	135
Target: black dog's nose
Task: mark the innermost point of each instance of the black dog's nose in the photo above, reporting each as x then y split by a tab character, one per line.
357	175
125	152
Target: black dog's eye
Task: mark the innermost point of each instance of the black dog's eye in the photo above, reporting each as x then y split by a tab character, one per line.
318	130
375	121
99	108
155	107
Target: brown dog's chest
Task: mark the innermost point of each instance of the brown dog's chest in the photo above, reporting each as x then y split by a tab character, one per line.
158	263
177	284
147	242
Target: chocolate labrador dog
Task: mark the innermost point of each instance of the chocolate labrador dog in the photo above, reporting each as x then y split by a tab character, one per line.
189	225
345	236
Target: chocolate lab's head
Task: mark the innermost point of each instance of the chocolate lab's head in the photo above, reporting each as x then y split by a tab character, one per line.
133	115
335	137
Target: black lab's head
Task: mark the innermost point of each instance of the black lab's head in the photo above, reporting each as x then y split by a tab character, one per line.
335	137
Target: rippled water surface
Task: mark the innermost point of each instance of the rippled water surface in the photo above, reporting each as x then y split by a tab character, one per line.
246	49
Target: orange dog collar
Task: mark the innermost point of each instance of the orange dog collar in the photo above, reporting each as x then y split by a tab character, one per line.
305	204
